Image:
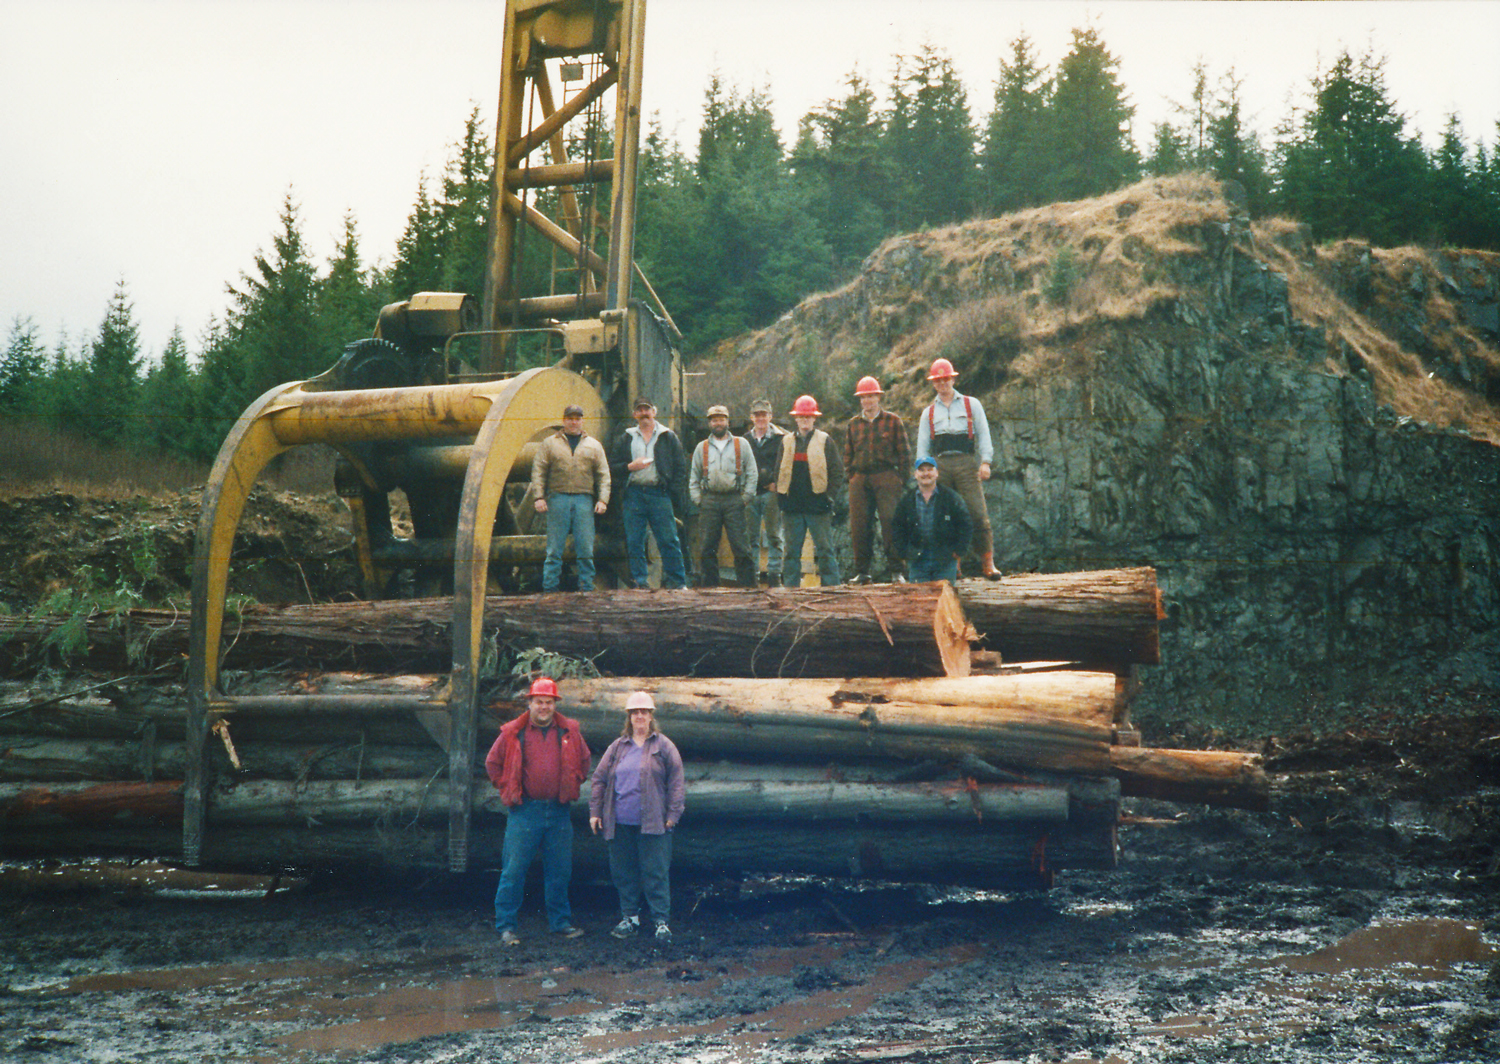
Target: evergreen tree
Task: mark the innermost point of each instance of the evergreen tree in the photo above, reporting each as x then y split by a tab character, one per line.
837	162
419	249
734	243
1016	151
463	212
1232	152
1347	167
23	369
220	391
65	401
1090	123
112	378
928	144
1170	151
274	322
347	306
166	402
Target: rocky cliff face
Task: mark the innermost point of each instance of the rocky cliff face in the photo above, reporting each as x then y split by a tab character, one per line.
1302	441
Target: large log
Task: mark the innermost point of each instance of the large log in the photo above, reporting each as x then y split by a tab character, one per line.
882	630
803	720
286	802
1105	619
971	855
1208	777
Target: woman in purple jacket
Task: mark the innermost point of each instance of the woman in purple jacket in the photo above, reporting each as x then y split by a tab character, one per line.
636	800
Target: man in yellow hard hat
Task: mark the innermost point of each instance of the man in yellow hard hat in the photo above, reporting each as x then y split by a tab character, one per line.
877	453
955	432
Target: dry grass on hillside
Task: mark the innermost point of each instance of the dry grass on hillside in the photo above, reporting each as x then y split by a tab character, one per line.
1025	297
39	458
1358	336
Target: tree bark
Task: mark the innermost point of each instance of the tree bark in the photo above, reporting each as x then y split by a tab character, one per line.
1208	777
1106	619
885	629
801	720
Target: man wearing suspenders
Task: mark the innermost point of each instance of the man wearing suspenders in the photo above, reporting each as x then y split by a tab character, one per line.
955	433
721	482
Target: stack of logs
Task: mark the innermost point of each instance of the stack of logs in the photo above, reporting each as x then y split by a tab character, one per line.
942	765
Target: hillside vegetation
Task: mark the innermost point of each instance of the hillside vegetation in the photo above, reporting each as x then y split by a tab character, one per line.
1036	294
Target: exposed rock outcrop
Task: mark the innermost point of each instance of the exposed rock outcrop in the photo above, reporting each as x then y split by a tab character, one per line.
1302	440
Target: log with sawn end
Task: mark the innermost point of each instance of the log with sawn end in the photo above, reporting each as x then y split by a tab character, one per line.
879	629
1105	619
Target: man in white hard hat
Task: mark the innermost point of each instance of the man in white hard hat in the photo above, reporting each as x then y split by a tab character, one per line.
721	481
877	454
955	432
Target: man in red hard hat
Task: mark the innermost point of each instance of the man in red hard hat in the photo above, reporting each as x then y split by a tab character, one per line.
810	492
955	433
877	453
538	764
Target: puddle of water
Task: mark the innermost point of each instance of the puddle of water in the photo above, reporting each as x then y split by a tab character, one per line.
143	877
1353	968
1423	949
340	1006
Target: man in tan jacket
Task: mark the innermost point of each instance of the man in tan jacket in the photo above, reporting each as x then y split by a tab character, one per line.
570	479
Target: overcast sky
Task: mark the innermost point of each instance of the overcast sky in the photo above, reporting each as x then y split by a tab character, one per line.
154	140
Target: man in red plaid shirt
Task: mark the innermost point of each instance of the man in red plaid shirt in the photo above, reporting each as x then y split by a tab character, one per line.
877	454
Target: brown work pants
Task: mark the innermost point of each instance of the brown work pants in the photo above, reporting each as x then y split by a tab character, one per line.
872	494
961	473
723	512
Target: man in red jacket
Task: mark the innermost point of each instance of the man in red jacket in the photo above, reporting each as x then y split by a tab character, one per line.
538	764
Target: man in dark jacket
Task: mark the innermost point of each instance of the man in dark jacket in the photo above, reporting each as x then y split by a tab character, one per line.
932	527
648	468
538	764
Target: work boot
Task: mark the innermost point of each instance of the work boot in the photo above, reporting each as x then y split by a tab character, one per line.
987	566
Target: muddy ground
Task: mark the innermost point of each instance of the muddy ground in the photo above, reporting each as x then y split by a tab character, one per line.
1356	921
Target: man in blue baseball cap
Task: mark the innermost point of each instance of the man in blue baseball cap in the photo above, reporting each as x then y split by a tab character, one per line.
932	527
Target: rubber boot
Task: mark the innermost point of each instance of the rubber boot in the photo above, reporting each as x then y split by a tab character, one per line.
987	567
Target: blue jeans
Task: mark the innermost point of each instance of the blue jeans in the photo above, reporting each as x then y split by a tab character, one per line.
926	568
533	826
638	866
762	511
652	507
796	528
571	513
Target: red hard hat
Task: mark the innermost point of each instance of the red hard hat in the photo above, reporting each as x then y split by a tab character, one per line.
868	386
543	685
806	406
941	368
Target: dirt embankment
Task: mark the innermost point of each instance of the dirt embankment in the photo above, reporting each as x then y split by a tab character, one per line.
73	550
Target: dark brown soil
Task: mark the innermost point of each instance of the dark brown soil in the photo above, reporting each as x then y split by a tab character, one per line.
1356	921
